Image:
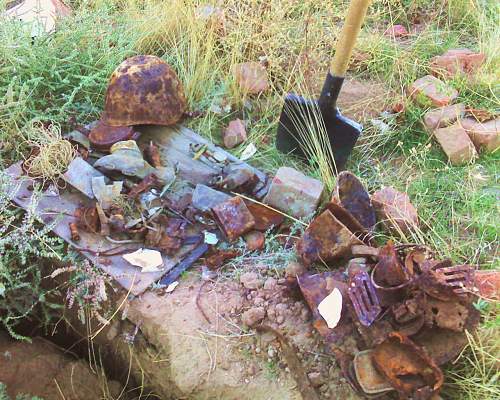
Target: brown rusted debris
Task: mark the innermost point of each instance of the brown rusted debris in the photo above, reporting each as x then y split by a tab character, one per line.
407	367
355	199
325	239
264	217
87	219
144	90
75	235
364	298
168	234
150	181
233	218
152	155
255	240
487	284
103	136
219	257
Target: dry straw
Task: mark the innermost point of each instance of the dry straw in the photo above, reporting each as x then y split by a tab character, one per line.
52	154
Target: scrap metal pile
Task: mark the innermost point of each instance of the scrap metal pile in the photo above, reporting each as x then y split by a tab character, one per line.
391	315
151	201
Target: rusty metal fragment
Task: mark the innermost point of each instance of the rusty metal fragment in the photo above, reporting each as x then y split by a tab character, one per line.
150	181
429	281
325	239
389	271
75	235
407	367
87	219
265	218
233	218
355	199
144	90
369	379
348	220
315	288
460	277
219	257
364	298
446	314
103	136
152	155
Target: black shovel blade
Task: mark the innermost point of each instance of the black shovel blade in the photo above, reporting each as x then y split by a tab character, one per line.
301	118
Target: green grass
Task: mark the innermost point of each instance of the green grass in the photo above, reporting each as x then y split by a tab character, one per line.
62	78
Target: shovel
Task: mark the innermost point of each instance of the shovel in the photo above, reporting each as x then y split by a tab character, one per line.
302	118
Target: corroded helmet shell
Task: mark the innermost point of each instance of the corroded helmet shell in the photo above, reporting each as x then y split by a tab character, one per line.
144	90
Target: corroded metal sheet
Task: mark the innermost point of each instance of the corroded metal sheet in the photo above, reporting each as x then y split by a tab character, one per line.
60	208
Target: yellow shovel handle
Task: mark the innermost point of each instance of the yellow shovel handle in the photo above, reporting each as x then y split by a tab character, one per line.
350	31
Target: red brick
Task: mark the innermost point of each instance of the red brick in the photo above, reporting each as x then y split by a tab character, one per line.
396	31
456	144
394	209
484	135
444	116
457	61
234	134
251	77
430	89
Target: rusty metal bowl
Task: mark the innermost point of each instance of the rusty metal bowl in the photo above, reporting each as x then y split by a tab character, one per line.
144	90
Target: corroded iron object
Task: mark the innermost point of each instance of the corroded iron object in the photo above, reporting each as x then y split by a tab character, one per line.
265	218
144	90
364	298
233	218
355	199
103	136
325	239
407	367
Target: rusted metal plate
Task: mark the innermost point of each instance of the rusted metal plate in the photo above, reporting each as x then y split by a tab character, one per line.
407	367
325	239
364	298
103	136
355	199
233	218
61	208
177	146
315	288
265	218
370	380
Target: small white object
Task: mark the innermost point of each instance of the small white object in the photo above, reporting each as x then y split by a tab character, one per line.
330	308
149	260
248	153
210	238
171	287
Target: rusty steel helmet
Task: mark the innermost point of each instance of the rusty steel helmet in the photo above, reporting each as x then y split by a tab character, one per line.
144	90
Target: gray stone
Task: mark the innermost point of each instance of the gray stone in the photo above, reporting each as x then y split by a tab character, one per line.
106	194
205	198
294	193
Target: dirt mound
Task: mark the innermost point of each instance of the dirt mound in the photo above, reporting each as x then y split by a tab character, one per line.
42	369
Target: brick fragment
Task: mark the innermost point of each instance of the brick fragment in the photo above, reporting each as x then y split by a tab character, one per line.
431	90
444	116
457	61
484	135
294	193
456	144
251	77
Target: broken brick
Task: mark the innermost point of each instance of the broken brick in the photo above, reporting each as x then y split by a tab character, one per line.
430	90
396	31
234	134
251	77
394	209
444	116
488	284
456	144
457	61
294	193
484	135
